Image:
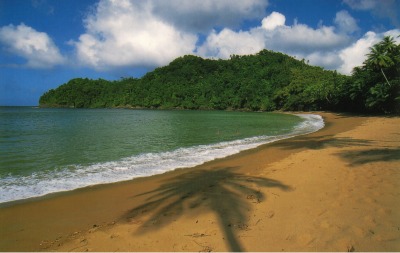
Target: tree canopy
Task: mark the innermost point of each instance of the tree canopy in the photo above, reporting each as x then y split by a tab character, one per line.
375	86
265	81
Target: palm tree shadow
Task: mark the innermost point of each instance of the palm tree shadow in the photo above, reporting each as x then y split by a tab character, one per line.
220	190
320	142
360	157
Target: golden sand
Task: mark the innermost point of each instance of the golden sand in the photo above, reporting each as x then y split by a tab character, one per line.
334	190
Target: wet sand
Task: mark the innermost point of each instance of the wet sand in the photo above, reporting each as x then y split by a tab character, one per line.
334	190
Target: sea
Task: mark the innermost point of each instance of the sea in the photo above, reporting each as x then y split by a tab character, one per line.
46	150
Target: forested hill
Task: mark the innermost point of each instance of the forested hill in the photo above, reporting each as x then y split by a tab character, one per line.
266	81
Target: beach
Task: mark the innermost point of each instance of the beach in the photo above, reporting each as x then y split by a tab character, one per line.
337	189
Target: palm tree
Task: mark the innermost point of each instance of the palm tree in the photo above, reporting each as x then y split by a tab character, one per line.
381	55
389	43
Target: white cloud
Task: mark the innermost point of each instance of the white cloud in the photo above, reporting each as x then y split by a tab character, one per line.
328	60
299	40
345	22
354	55
126	33
36	47
302	38
273	21
227	42
327	46
154	32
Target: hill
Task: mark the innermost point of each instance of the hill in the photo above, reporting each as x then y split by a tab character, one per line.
265	81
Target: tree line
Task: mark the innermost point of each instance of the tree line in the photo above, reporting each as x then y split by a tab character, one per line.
265	81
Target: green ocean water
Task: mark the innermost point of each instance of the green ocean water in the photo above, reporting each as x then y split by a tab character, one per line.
46	150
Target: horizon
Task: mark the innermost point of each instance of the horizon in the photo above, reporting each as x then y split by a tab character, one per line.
44	44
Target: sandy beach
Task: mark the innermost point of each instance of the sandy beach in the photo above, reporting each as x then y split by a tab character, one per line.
334	190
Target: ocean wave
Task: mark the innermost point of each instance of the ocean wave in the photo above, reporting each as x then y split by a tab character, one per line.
77	176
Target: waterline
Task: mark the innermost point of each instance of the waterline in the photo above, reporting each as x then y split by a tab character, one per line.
76	176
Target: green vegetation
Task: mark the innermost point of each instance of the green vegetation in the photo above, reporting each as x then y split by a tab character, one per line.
375	86
266	81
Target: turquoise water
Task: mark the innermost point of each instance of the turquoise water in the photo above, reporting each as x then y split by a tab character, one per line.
50	150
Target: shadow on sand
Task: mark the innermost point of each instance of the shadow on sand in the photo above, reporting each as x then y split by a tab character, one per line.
360	157
320	142
227	194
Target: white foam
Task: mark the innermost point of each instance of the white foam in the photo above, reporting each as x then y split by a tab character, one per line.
77	176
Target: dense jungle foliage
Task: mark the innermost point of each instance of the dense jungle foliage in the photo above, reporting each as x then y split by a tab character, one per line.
266	81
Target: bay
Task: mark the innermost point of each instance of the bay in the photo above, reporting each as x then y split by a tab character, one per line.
45	150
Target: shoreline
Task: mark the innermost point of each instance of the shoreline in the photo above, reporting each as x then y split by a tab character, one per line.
259	186
179	158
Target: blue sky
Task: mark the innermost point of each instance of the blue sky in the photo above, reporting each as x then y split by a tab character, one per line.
45	43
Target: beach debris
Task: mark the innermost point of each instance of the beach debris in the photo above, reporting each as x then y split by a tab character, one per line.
243	227
197	235
254	197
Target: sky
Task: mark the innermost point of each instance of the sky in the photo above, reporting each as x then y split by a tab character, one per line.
45	43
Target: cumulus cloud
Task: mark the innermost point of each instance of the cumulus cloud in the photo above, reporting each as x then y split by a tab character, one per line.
154	32
354	55
328	60
228	42
332	47
319	45
36	47
126	33
304	39
273	21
